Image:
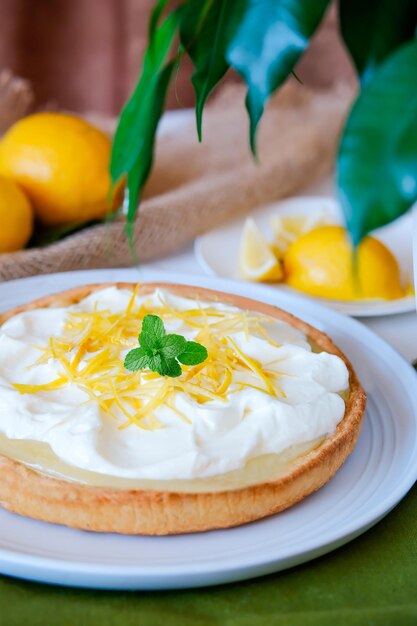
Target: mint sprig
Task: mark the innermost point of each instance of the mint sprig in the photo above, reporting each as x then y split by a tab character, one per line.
161	352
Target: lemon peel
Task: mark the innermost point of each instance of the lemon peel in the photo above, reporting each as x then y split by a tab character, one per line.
89	355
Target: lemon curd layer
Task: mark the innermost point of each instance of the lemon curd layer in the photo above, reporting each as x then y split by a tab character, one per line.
69	407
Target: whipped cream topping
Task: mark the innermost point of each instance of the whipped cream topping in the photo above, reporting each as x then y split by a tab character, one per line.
217	436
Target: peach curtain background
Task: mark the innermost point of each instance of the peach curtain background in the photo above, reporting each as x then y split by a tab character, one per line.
84	55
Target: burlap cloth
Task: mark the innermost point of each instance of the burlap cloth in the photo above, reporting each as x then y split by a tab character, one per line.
195	187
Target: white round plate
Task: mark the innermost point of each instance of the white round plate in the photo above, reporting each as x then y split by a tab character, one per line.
217	252
375	477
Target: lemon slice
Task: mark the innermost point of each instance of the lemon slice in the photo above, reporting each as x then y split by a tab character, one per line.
256	259
288	228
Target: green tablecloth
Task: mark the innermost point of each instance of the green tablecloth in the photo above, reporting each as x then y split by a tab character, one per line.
370	582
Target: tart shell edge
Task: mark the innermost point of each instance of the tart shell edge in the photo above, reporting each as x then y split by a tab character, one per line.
25	491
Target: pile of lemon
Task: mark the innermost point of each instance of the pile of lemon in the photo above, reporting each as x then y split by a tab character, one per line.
315	256
53	171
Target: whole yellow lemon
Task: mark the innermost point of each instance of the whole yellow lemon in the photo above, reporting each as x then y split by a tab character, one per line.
321	263
61	162
16	217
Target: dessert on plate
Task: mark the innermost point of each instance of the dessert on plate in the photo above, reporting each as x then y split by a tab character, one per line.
224	411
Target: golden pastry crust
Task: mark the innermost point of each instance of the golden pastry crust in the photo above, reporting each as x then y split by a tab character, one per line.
30	493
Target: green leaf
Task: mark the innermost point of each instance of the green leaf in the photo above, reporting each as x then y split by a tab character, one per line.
377	161
136	360
130	134
152	333
374	29
159	351
206	28
133	145
153	326
270	39
193	354
156	16
149	343
172	346
170	367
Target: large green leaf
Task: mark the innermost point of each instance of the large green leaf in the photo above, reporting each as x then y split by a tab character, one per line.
133	144
372	29
377	161
271	36
205	31
139	170
155	16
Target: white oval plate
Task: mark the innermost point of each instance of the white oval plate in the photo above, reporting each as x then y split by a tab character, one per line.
376	476
217	252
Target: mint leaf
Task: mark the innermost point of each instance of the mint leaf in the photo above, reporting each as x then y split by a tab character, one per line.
152	332
193	354
170	367
136	360
162	353
154	363
149	343
172	346
154	326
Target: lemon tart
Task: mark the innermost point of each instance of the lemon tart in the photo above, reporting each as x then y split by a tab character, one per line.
265	420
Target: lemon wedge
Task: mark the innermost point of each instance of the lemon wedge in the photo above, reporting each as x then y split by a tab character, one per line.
257	261
289	228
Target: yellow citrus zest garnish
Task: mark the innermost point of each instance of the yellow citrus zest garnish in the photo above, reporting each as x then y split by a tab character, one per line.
89	354
52	386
